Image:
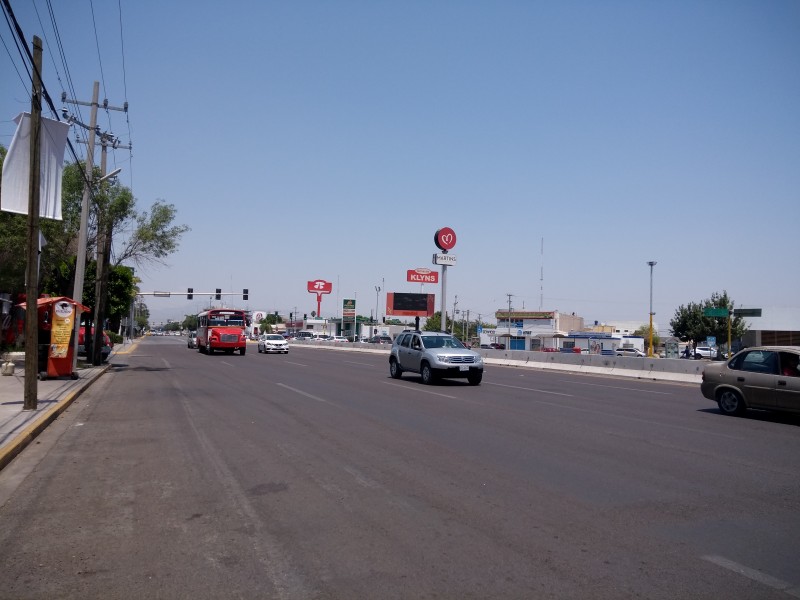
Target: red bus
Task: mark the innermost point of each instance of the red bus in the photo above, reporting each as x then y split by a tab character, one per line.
221	329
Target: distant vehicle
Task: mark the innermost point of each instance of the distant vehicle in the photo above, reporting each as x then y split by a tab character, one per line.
434	355
765	377
340	338
498	346
192	340
272	342
629	352
221	329
304	335
380	339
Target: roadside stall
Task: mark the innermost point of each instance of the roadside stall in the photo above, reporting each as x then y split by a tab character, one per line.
56	336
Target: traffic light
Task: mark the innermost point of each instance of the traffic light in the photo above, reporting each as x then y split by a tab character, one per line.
291	316
244	294
305	317
276	314
190	293
219	294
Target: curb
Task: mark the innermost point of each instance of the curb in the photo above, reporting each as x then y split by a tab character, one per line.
10	451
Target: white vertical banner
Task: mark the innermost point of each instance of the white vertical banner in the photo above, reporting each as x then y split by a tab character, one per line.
17	167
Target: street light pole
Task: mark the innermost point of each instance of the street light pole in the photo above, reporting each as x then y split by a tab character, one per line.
377	296
652	264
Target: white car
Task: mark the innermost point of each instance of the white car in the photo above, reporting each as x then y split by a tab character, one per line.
340	338
272	342
705	352
629	352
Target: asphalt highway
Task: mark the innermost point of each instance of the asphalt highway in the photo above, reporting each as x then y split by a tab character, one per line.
315	475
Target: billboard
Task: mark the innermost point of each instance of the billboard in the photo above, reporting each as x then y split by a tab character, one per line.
403	304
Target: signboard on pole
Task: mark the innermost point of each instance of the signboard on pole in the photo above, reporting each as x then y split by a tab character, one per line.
747	312
714	311
349	309
409	305
422	276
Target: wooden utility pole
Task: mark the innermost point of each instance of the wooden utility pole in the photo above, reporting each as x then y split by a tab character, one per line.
32	274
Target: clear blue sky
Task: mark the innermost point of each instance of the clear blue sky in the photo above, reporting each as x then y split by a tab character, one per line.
330	140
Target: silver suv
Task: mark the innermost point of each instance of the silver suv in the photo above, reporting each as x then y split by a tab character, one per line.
434	355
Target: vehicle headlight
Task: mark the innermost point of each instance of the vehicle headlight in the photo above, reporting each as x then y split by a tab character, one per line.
445	358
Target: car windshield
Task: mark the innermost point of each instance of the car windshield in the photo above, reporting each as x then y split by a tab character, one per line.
275	337
441	341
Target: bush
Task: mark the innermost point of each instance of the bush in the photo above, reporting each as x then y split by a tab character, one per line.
114	337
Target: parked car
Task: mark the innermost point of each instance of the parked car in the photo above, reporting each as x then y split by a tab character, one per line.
304	336
272	342
340	338
498	346
434	355
765	377
107	344
629	352
192	340
380	339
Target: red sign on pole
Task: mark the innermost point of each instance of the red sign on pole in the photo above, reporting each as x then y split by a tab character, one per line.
319	287
445	238
422	276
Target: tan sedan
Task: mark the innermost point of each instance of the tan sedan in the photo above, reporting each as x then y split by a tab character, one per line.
763	377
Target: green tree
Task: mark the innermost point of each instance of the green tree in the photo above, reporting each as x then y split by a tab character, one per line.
141	238
644	331
434	323
689	322
190	322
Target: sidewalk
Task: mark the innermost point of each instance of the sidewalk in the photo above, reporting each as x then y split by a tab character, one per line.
19	427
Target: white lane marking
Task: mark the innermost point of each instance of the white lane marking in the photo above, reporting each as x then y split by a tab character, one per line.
619	387
226	363
755	575
166	363
294	363
527	389
424	391
360	364
306	394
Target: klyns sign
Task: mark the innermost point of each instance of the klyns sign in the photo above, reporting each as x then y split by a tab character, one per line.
422	276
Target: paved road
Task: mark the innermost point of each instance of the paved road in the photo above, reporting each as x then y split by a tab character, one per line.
314	475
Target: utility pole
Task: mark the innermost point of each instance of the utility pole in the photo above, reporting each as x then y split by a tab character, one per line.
104	225
32	285
80	260
509	320
453	322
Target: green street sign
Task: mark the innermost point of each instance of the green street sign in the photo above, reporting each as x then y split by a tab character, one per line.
715	312
747	312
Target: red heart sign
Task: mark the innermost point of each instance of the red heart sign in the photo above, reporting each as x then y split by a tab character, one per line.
445	238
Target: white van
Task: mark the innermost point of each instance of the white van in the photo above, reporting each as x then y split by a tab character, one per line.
304	335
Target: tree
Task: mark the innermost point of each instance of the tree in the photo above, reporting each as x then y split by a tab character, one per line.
434	323
689	322
154	236
644	331
142	238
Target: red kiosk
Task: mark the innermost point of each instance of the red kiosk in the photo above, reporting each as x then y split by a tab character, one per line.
56	342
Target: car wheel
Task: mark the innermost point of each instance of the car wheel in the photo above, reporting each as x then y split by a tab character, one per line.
259	349
209	349
394	369
730	403
242	351
428	376
475	378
